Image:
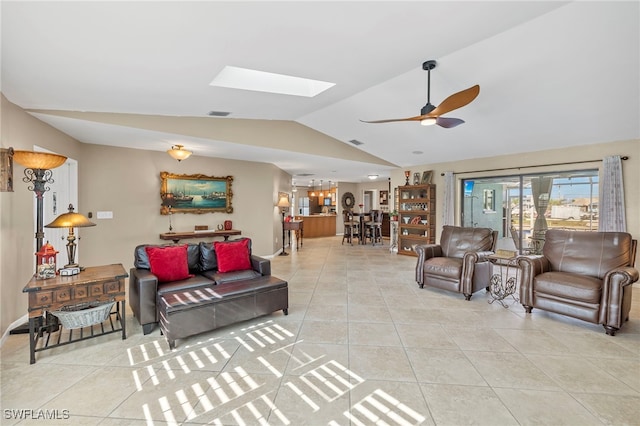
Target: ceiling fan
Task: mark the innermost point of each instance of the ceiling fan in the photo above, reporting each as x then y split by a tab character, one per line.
430	114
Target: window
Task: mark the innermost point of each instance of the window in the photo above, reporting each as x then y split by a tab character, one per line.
530	204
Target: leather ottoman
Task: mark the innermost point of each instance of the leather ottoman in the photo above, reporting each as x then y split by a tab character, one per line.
193	311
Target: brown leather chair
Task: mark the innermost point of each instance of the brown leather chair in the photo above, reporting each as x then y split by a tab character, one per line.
581	274
459	263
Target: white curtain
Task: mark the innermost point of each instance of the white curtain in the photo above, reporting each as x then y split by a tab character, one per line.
448	211
611	216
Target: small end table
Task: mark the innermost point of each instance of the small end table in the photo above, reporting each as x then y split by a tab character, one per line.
501	285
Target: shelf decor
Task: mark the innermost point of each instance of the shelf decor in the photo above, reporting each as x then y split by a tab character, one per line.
196	194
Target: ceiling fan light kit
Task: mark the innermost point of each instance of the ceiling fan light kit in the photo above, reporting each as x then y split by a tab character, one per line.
430	114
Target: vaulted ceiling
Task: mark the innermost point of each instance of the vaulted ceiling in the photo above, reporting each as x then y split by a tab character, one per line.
137	74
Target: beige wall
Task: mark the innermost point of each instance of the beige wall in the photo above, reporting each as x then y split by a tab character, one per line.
518	163
129	186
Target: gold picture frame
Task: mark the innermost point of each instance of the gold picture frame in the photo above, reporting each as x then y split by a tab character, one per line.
426	177
197	193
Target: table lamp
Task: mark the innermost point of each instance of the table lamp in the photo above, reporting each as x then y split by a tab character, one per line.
168	201
71	220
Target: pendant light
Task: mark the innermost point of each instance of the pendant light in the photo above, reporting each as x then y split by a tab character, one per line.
313	188
320	194
177	152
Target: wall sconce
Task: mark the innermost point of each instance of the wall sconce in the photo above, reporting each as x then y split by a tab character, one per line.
177	152
71	220
284	204
37	171
168	201
6	169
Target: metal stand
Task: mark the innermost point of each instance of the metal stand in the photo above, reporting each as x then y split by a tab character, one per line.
501	285
283	253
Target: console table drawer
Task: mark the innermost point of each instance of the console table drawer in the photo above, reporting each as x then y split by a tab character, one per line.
62	295
80	292
111	287
40	299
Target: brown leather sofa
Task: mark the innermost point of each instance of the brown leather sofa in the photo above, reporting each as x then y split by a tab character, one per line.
459	263
144	287
581	274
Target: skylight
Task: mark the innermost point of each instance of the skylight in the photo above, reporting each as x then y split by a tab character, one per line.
260	81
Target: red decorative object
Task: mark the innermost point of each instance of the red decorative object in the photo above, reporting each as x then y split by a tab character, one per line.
232	256
46	261
228	225
169	263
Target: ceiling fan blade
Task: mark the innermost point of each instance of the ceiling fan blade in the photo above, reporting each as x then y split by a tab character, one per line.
455	101
448	123
391	120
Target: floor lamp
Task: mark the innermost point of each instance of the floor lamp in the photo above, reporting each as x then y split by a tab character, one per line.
37	174
284	204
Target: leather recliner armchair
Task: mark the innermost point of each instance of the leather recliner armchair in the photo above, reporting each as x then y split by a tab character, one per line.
581	274
459	263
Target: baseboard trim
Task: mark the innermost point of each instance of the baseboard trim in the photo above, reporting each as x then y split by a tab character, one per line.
20	321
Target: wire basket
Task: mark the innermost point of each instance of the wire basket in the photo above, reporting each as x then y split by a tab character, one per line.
84	314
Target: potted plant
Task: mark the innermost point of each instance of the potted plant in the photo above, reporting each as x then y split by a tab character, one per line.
394	215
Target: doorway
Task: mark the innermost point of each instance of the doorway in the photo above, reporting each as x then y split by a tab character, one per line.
62	192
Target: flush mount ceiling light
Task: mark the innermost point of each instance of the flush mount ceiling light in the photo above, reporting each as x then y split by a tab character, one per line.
260	81
177	152
372	177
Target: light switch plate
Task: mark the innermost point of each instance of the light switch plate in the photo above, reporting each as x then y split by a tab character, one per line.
105	215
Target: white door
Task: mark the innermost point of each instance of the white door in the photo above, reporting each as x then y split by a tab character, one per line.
62	192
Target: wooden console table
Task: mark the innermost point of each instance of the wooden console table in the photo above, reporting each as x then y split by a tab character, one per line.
177	236
94	284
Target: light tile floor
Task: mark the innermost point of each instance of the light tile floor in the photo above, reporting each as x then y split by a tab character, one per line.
362	345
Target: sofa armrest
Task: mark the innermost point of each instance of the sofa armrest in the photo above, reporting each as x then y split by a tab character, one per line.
475	271
612	304
530	266
424	252
261	265
143	288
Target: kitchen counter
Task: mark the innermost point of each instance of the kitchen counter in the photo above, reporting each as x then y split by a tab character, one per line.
319	225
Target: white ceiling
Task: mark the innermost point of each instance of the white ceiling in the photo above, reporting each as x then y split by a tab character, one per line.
552	74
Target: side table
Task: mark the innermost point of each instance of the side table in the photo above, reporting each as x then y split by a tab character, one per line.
501	285
297	226
93	285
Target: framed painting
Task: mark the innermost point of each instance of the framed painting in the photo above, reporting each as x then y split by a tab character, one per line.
426	177
384	198
196	194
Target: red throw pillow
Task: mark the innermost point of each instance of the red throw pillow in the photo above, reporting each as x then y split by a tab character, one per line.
169	263
232	255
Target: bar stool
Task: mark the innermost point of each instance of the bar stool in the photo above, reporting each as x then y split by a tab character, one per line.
374	227
351	227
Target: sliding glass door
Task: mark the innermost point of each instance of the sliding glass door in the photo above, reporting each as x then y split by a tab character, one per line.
523	207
